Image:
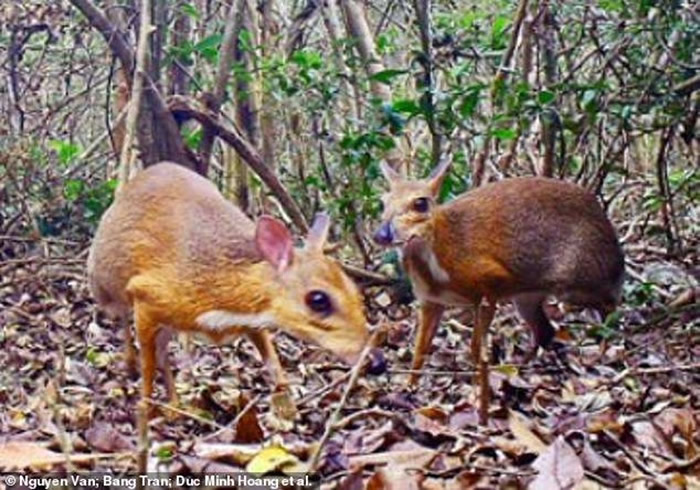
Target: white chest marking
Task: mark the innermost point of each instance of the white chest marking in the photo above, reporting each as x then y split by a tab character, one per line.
439	275
221	319
436	270
444	297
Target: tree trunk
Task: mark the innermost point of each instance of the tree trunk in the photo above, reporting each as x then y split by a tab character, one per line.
171	146
549	131
427	82
359	30
246	100
223	71
268	32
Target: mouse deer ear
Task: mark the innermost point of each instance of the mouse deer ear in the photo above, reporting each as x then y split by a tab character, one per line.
275	243
391	175
437	176
318	234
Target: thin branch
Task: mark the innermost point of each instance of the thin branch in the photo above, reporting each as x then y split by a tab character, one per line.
185	109
128	155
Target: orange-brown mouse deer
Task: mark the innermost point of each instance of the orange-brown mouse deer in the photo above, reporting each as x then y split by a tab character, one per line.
521	239
179	256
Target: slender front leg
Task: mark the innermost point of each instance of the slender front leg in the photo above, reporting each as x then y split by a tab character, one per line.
146	330
280	399
484	316
263	342
430	315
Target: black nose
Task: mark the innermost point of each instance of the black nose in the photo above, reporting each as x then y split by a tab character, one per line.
384	234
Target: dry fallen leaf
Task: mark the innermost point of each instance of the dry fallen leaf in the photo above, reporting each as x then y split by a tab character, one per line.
240	454
248	428
395	478
18	455
271	458
107	439
519	427
417	457
559	468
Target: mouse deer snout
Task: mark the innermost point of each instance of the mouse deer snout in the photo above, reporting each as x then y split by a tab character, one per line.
384	235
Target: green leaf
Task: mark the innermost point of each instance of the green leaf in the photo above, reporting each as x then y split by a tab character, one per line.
208	42
545	97
611	5
504	134
612	321
385	76
66	151
588	97
407	106
469	103
209	47
164	453
191	10
467	20
308	59
73	189
498	30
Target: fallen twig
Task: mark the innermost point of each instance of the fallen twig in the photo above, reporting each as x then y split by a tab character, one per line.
683	465
654	370
635	461
324	389
185	413
354	376
235	421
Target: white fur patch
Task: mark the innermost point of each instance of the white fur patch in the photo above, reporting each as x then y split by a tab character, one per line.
436	270
221	319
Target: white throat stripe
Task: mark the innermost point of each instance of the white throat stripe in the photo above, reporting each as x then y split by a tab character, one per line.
438	273
221	319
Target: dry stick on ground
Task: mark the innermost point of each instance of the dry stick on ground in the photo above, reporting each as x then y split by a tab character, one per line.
655	370
683	465
472	372
635	461
355	375
185	413
234	423
128	155
324	389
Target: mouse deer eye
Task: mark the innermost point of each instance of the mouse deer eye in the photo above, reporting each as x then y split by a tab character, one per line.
421	205
319	302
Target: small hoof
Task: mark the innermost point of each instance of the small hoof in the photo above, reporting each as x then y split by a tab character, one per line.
413	380
283	406
377	362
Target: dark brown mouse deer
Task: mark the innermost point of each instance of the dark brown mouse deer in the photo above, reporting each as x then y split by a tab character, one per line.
521	239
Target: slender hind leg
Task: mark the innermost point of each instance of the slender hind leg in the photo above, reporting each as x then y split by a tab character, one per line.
529	307
162	339
430	315
129	348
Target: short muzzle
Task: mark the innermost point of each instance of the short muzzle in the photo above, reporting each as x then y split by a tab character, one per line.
384	234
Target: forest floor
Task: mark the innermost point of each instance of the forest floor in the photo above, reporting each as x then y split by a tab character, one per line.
622	412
